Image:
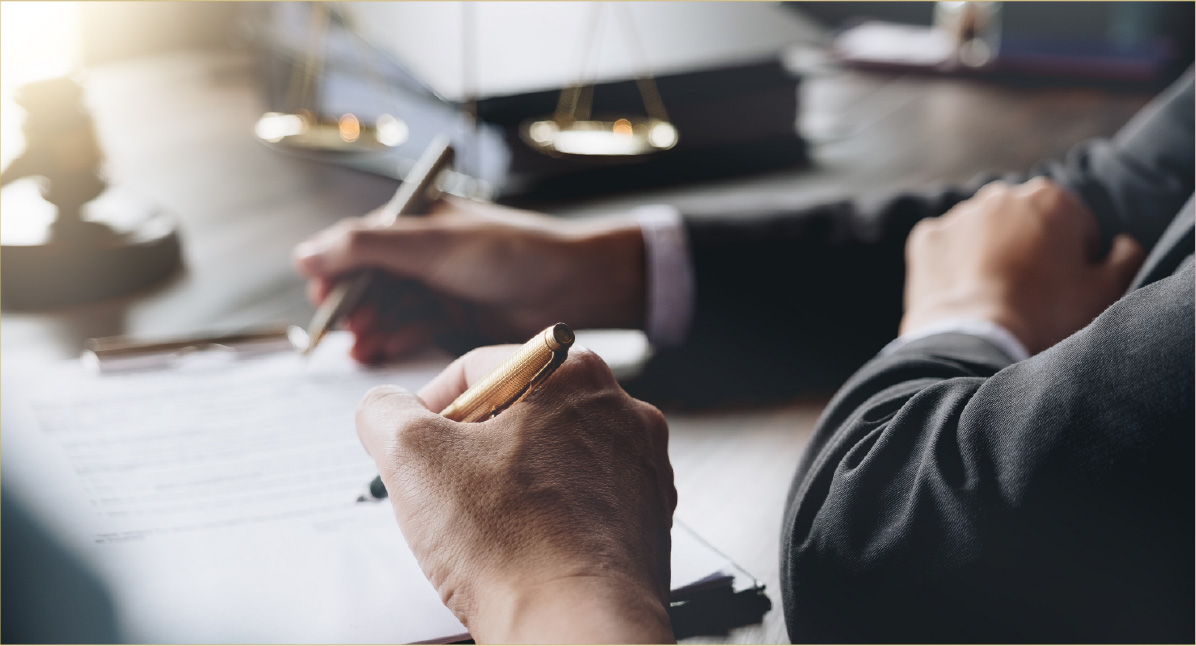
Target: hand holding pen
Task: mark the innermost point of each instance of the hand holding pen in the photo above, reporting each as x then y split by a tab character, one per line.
492	274
519	374
418	190
562	502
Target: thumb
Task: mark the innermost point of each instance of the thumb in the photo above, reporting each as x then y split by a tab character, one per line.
400	249
1125	257
462	373
385	414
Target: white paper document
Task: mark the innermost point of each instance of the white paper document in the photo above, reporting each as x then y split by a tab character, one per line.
218	502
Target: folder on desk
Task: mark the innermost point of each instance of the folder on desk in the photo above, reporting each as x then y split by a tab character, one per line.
214	494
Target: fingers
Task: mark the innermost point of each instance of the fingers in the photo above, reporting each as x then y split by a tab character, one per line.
328	252
463	373
1037	206
584	375
1069	213
375	346
995	187
318	288
383	414
306	256
383	327
410	339
402	248
395	318
582	372
1125	258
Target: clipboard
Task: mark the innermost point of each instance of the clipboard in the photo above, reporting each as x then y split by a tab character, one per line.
165	567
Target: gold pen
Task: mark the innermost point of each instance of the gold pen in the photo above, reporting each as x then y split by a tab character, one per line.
508	383
417	190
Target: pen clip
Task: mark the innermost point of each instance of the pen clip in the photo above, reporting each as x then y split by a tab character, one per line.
558	358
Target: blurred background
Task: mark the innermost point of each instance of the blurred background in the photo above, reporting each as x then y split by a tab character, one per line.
208	138
557	106
506	62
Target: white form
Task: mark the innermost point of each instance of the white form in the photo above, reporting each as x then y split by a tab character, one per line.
217	502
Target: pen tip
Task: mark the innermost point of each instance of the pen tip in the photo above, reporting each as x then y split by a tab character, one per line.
313	339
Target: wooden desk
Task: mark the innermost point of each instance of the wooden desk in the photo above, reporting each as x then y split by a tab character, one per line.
177	129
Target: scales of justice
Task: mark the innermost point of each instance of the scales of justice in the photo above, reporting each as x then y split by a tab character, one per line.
570	132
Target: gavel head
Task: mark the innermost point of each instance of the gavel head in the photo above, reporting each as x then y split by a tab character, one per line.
60	145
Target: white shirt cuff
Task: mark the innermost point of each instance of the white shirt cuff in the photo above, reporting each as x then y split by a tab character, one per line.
983	328
670	276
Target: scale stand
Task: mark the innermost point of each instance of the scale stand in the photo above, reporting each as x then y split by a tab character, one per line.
571	132
67	237
305	129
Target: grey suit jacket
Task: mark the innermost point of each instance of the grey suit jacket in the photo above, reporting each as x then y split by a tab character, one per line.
948	495
951	496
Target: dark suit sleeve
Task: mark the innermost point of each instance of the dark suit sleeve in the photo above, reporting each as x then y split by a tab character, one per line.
948	496
797	300
791	301
1135	182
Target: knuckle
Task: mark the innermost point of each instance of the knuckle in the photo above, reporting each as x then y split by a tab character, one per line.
357	239
654	419
347	224
584	361
996	187
379	394
921	230
379	408
1057	205
1044	192
402	425
651	429
922	233
1039	183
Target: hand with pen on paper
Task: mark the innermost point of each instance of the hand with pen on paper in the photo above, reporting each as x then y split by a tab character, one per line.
471	274
548	523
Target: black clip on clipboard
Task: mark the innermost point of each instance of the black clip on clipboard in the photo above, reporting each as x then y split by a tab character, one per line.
124	353
722	603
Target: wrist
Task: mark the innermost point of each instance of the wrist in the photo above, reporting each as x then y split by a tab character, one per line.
916	319
574	609
607	286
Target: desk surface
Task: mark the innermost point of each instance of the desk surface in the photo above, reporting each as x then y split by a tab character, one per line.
177	130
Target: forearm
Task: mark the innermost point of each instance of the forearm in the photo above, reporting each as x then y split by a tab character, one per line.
606	286
790	301
831	274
